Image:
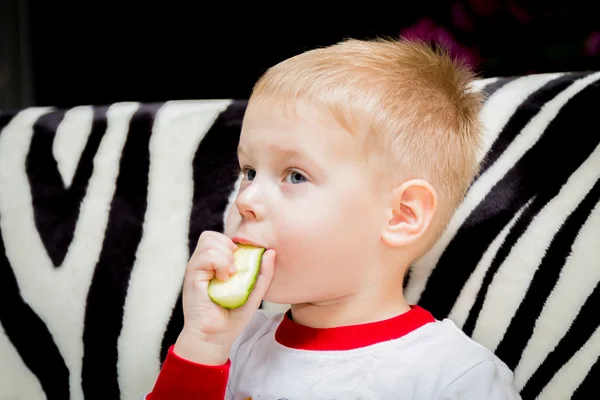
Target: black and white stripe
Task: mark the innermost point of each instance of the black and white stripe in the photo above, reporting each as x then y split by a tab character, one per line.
105	269
502	270
101	206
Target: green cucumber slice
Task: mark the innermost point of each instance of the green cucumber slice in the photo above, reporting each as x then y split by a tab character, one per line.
234	292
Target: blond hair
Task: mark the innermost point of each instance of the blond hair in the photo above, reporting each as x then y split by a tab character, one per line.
414	103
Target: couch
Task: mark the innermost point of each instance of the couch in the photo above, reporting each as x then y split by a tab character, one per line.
101	206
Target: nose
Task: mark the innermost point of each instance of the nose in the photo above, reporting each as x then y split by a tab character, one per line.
250	203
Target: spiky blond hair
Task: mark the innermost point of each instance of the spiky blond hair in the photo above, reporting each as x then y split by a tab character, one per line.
413	103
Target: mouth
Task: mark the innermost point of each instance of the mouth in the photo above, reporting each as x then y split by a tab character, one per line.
241	240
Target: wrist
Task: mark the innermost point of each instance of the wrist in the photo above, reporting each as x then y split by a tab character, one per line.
196	348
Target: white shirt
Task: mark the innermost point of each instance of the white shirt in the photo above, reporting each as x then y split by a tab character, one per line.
412	356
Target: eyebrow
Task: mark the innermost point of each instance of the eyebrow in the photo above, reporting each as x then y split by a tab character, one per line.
287	153
284	151
290	154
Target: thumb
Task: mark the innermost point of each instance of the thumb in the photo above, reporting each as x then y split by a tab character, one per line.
262	282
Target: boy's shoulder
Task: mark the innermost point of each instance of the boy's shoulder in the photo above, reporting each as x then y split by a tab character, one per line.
446	331
448	352
447	341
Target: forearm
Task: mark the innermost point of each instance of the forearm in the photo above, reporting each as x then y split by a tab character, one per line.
182	379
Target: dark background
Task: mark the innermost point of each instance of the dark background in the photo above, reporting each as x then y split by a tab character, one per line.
54	53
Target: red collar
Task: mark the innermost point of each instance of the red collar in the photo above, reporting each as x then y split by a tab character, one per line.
296	336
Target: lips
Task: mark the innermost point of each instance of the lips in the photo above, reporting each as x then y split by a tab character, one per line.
242	240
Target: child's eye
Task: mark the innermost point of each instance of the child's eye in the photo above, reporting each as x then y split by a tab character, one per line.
295	177
249	174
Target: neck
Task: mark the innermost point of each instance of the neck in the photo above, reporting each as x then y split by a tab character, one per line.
375	303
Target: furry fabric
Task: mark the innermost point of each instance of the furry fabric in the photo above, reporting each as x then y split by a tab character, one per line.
100	208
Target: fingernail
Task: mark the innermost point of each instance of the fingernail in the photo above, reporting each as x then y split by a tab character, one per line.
232	269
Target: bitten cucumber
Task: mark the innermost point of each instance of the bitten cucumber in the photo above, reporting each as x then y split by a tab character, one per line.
234	292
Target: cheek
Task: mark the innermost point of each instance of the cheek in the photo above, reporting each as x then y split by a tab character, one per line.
299	235
316	260
314	236
323	249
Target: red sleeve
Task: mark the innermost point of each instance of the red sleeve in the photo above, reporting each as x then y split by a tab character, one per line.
180	379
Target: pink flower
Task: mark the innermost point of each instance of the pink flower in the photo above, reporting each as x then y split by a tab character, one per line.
484	8
520	13
592	44
460	17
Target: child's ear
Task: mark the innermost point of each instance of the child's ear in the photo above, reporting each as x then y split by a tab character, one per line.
413	206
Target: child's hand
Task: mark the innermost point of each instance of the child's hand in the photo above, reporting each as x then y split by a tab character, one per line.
209	329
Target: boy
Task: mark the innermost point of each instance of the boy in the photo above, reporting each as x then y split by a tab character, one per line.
354	158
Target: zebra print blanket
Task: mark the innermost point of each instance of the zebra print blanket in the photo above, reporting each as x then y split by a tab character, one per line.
101	206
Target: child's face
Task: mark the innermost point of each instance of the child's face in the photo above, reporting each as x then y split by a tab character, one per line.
307	193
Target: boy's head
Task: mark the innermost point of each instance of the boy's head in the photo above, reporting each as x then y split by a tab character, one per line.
354	157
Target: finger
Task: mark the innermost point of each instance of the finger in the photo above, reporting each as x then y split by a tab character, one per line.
224	239
263	281
212	244
228	247
211	263
220	264
232	245
224	249
211	239
204	237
